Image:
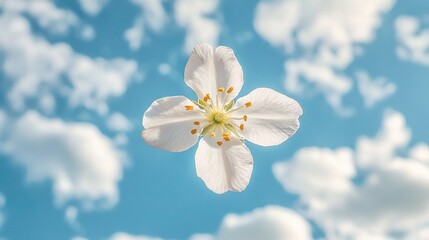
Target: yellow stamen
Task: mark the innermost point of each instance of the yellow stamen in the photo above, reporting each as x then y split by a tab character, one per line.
197	123
189	108
248	104
225	136
230	90
241	127
194	131
206	97
245	117
212	134
221	89
219	143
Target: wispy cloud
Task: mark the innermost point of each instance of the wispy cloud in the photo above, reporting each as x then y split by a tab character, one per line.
413	40
152	17
373	90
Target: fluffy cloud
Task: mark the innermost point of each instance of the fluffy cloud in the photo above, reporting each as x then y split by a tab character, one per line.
376	191
81	162
270	222
328	32
193	16
413	40
126	236
37	68
92	7
152	16
373	90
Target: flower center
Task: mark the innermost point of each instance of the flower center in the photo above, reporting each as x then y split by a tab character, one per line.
218	124
218	117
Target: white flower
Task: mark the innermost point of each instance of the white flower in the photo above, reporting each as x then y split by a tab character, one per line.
222	160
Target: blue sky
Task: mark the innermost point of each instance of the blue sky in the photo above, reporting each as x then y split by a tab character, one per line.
77	76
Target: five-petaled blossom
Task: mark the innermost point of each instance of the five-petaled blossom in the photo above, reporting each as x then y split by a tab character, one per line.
264	117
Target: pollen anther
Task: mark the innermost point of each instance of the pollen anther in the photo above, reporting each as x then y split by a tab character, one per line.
206	97
230	90
241	127
225	136
245	117
248	104
212	134
189	108
219	143
221	89
196	123
194	131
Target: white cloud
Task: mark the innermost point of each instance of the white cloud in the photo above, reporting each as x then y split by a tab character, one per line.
126	236
71	215
152	16
34	65
164	69
79	238
92	7
327	32
373	90
119	123
325	79
2	204
45	12
87	33
391	199
81	162
413	40
202	236
379	150
3	121
270	223
193	15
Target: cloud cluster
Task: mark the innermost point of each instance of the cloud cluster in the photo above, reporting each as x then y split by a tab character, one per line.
194	16
270	222
413	40
40	70
44	12
82	163
379	190
48	16
326	34
152	16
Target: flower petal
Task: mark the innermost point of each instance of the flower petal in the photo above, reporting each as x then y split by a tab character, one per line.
271	117
208	70
228	72
169	126
225	167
